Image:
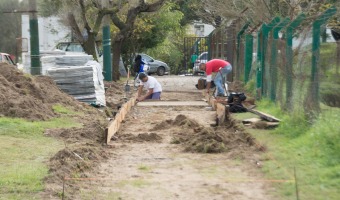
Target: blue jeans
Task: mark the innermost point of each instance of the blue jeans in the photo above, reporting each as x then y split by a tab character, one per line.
221	77
156	95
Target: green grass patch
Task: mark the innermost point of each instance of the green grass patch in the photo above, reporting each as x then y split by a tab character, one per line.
312	148
64	110
23	151
144	168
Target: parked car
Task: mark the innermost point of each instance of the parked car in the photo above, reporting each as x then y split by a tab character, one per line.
155	66
6	58
202	58
70	46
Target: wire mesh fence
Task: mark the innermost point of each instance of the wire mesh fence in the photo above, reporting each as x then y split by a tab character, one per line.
286	62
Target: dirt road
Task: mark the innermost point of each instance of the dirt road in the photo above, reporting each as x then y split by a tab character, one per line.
147	163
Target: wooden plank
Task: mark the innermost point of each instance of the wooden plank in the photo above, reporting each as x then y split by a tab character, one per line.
251	120
211	100
172	103
220	114
116	124
264	116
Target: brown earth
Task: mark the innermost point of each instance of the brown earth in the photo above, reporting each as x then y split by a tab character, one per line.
159	153
175	153
28	97
33	98
197	138
163	169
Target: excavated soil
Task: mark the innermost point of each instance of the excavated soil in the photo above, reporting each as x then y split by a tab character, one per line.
33	98
197	138
29	97
142	137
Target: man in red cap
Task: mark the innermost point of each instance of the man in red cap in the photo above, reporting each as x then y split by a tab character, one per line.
222	68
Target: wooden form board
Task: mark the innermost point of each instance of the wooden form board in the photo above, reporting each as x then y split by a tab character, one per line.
172	103
264	116
115	125
221	110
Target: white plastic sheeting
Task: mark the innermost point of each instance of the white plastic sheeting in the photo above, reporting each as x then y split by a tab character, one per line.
77	75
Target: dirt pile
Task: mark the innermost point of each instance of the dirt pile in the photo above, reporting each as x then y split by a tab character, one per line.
75	161
29	97
142	137
93	131
180	120
213	140
115	94
196	138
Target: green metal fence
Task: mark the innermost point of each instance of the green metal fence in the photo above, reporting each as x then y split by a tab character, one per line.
286	65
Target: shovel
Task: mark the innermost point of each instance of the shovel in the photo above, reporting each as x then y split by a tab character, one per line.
127	86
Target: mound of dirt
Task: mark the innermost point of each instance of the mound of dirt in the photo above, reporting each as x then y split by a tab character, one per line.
143	137
115	94
75	160
29	97
196	138
92	132
180	120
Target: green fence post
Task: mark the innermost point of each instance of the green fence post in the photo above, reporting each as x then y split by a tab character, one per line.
289	54
258	64
273	60
322	19
107	60
239	36
34	34
248	56
266	30
209	45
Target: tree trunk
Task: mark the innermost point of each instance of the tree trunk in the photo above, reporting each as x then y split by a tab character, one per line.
90	46
116	50
337	57
324	35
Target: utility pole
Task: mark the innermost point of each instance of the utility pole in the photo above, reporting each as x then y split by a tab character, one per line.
34	33
107	44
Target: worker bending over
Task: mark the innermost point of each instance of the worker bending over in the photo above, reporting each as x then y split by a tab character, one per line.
152	85
221	68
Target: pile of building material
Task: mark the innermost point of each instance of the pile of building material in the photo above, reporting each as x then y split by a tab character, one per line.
84	81
26	60
77	59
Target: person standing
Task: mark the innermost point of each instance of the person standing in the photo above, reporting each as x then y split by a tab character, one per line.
154	88
221	68
194	57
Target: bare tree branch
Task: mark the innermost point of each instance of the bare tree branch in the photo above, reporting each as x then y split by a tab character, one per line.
74	26
83	15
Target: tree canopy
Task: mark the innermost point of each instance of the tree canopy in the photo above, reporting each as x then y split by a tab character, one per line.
10	26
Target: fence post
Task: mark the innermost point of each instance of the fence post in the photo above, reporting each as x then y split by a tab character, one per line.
209	45
266	30
239	36
289	54
248	56
273	61
261	55
322	19
34	34
258	64
107	60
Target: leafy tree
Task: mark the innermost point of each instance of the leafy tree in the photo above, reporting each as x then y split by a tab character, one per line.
85	16
126	27
10	26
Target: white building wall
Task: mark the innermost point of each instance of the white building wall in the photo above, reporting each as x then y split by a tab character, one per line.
200	29
51	32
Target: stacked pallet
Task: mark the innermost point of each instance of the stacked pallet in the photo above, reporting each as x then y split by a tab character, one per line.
76	81
84	82
53	61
